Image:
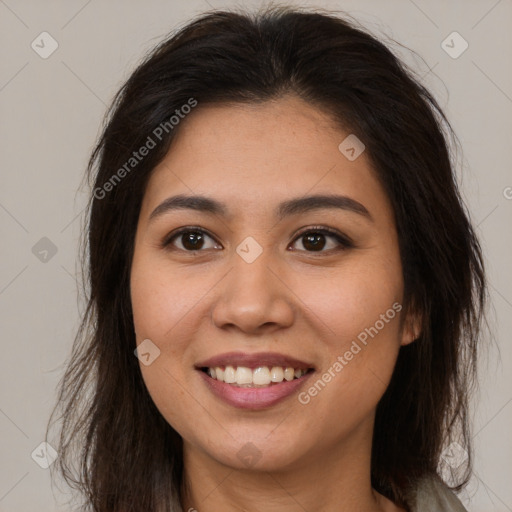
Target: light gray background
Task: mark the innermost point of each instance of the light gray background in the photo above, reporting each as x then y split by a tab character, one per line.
51	110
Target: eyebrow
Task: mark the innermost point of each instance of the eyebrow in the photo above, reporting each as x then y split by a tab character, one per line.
285	209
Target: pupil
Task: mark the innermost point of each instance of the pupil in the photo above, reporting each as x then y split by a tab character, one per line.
315	242
192	240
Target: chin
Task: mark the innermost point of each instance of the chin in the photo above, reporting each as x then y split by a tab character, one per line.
256	452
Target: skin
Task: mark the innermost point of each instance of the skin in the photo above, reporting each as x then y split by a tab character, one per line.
292	299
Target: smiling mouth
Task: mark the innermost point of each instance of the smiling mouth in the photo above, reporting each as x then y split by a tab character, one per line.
259	377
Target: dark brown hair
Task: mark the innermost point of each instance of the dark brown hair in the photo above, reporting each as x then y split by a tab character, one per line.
129	457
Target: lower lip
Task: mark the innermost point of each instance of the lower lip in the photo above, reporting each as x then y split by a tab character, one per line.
253	398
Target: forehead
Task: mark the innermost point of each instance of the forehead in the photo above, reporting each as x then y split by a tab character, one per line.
251	155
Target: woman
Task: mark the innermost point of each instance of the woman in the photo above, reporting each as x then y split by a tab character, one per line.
285	290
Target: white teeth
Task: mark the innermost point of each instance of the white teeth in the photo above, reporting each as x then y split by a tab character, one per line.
276	374
229	375
289	373
259	377
243	375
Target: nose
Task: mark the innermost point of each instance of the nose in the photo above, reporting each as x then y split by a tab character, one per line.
253	298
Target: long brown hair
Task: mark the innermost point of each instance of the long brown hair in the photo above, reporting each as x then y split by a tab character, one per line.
128	456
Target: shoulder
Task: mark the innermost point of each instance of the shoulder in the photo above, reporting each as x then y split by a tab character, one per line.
433	495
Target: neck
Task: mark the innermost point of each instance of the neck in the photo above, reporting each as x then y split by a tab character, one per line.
331	480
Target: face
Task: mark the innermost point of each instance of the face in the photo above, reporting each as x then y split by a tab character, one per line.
265	276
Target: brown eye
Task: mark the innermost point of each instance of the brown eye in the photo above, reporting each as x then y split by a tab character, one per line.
190	240
315	240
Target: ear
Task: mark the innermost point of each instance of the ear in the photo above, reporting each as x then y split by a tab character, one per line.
411	329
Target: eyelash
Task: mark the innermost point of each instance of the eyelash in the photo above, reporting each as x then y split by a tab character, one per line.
343	240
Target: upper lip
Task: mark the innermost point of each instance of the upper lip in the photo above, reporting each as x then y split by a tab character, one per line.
254	360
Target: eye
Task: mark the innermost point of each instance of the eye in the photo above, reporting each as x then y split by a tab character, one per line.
314	239
191	239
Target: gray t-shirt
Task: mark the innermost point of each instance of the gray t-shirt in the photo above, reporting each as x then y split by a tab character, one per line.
432	495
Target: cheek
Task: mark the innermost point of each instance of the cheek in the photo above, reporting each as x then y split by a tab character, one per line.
353	299
358	312
165	321
162	301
